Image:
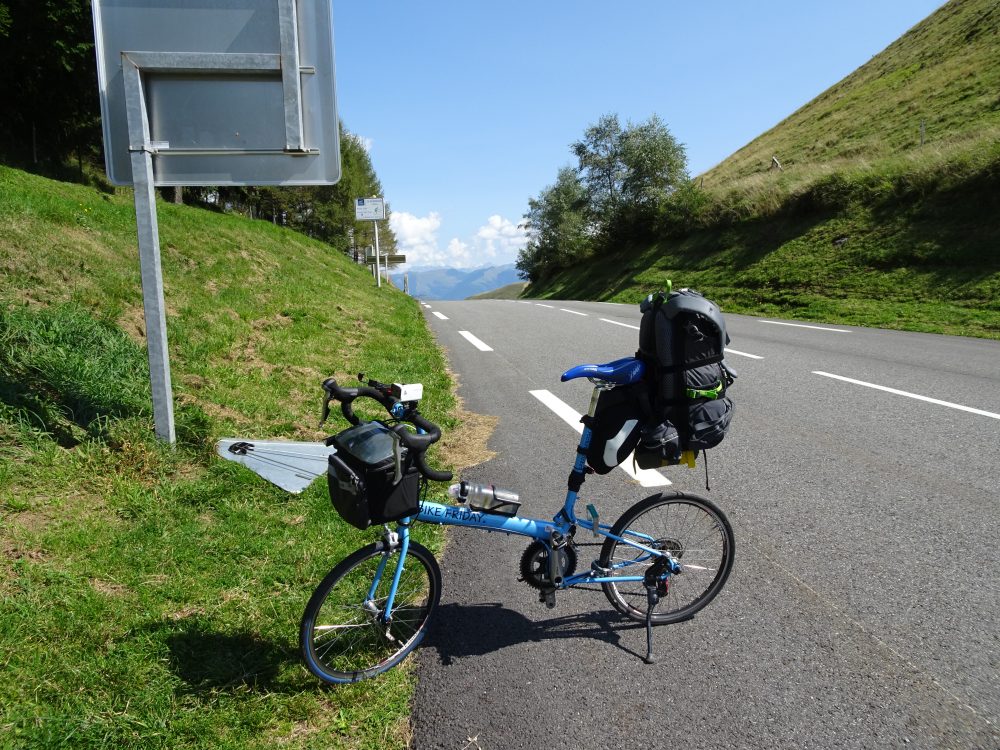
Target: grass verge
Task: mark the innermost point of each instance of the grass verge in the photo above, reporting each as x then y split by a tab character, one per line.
151	597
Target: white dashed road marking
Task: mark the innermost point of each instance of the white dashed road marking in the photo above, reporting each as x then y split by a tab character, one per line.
742	354
645	477
475	342
898	392
616	323
575	312
439	315
803	325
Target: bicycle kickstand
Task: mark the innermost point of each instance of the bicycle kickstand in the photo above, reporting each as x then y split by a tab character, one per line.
656	584
652	599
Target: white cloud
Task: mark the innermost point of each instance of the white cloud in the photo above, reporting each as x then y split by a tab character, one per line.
501	239
495	243
416	237
458	252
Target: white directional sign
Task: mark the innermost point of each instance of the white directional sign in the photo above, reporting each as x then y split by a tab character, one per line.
369	209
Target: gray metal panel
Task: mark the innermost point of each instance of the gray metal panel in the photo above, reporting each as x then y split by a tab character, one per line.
223	112
189	112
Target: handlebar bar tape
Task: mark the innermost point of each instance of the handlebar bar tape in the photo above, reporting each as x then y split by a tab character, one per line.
427	471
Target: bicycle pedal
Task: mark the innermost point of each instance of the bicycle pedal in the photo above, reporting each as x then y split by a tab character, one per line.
548	598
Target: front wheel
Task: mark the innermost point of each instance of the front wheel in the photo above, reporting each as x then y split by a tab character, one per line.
344	636
694	531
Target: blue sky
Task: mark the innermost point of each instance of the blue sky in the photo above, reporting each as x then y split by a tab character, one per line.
468	109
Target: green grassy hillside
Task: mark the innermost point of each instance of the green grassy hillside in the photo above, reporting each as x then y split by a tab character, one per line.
151	597
944	73
864	251
864	224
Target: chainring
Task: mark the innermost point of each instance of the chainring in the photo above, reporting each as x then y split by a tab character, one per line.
535	564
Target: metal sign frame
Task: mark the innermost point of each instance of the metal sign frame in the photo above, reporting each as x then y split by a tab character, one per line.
223	107
373	210
284	158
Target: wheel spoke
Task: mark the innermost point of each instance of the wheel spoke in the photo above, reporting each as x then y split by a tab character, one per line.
691	530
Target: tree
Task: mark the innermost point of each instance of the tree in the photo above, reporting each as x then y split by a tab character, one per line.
49	84
655	165
601	167
557	227
628	172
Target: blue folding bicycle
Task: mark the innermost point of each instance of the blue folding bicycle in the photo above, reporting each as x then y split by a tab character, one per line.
664	559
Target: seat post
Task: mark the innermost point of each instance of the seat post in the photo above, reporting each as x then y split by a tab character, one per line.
579	472
599	387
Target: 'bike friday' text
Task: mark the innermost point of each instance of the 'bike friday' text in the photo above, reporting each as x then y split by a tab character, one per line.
451	511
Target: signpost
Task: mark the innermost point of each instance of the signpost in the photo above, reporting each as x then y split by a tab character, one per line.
211	93
373	210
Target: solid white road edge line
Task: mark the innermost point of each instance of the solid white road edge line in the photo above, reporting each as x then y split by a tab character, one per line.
929	400
803	325
439	315
645	477
475	342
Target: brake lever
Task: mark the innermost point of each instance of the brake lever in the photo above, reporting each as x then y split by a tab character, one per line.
397	456
326	408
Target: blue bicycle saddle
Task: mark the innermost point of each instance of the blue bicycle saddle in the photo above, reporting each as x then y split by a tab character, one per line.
620	372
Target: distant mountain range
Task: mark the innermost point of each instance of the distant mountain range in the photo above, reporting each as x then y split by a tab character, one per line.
455	283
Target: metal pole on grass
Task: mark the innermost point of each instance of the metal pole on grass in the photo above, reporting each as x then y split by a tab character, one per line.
378	271
153	305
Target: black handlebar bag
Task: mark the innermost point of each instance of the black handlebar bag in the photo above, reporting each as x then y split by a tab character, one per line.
368	483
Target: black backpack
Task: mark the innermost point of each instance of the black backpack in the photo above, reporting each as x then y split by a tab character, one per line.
682	340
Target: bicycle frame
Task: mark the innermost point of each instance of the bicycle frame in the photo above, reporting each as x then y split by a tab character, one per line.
564	523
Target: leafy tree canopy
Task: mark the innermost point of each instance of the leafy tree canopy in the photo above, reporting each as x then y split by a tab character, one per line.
625	182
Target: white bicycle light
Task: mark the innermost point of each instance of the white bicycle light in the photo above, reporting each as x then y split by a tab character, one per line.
408	392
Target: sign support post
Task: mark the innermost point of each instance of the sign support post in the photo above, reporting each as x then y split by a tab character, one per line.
378	270
153	304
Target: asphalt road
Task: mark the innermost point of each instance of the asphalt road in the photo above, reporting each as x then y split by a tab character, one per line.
863	608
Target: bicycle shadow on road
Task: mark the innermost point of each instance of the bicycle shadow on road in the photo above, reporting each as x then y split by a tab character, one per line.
464	630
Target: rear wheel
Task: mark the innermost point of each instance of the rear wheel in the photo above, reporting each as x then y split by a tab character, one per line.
694	531
344	636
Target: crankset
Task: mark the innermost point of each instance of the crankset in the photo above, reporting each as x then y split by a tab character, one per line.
535	564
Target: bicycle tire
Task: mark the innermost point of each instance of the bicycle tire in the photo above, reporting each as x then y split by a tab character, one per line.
699	536
341	637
